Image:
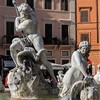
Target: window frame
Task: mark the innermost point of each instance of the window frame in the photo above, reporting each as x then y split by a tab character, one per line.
64	59
34	3
49	42
48	21
61	6
65	51
6	52
8	19
52	5
52	59
89	36
51	53
88	9
84	35
84	19
6	26
61	24
8	5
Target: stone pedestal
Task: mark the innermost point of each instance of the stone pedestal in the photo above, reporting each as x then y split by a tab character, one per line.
24	84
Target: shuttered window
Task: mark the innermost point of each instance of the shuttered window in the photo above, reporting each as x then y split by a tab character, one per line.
64	5
48	4
85	37
84	16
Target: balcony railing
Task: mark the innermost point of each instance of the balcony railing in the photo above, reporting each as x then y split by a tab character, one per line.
47	41
56	41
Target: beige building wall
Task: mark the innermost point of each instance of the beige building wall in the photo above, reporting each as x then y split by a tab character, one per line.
54	16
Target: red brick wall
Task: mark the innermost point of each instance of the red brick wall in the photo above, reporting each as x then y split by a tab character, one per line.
90	28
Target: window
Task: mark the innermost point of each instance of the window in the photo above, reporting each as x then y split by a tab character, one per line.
48	4
64	5
48	33
9	31
9	3
64	34
85	37
49	53
8	52
31	3
51	60
65	61
65	53
84	15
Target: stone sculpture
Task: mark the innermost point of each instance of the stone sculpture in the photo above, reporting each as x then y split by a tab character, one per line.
60	78
78	68
28	53
27	80
27	23
89	93
84	90
97	79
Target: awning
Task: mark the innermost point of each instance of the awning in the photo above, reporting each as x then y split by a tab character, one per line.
9	63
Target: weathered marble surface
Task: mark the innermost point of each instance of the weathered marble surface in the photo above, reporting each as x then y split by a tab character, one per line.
28	53
74	87
27	80
78	68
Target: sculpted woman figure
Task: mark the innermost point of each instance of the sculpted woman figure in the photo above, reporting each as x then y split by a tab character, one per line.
27	23
78	68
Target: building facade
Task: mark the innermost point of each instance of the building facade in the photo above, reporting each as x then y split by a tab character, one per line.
56	23
88	26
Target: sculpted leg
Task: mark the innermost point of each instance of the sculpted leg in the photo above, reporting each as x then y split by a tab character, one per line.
48	65
38	45
15	47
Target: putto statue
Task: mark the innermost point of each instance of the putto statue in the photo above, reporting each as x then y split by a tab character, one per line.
28	53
